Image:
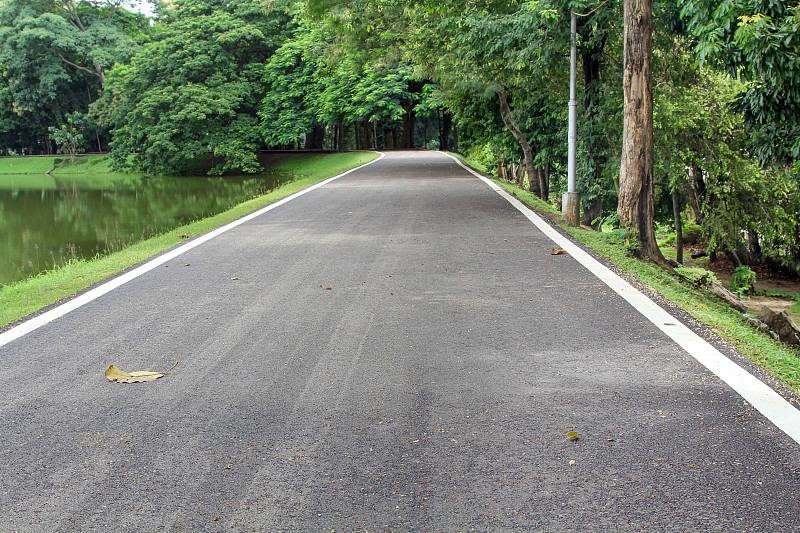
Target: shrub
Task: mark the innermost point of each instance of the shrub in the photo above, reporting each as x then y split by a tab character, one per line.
700	276
692	233
743	280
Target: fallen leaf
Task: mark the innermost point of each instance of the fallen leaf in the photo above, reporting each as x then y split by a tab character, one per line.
234	279
572	436
120	376
557	251
572	462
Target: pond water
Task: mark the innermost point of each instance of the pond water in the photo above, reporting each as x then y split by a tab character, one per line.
46	221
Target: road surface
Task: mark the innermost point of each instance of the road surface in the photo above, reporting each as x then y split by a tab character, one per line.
396	350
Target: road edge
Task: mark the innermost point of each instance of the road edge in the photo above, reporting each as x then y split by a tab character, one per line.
104	287
762	397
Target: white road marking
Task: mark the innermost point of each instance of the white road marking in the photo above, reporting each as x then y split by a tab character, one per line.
758	394
57	312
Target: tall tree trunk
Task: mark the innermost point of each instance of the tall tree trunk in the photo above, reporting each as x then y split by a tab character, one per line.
409	120
698	192
341	137
636	207
544	181
366	135
530	168
592	60
336	137
676	213
445	126
357	130
315	137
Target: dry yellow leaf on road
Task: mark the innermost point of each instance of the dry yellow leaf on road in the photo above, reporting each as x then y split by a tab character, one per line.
120	376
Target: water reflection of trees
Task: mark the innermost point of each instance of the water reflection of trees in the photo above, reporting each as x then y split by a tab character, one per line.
42	229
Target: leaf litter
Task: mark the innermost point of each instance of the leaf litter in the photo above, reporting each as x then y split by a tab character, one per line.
116	375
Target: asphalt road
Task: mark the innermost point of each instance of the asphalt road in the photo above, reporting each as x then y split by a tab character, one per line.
397	350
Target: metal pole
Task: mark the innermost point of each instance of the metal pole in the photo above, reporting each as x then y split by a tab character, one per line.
573	105
571	199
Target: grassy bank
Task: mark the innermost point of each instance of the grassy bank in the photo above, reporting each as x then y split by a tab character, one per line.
33	171
28	296
779	359
26	165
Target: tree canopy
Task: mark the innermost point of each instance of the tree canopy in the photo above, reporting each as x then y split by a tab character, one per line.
207	85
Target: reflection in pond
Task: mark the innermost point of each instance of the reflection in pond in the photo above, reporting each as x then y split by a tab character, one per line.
46	221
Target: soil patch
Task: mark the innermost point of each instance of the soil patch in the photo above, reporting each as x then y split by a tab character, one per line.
767	279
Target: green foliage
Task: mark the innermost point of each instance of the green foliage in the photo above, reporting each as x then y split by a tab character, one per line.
189	98
743	280
293	87
743	208
758	42
53	59
310	82
699	276
69	136
692	233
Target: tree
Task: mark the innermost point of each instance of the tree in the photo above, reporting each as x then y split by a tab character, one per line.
53	59
758	42
600	123
636	207
69	136
291	105
189	99
312	84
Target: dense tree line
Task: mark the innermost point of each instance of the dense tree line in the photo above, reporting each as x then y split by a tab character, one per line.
208	84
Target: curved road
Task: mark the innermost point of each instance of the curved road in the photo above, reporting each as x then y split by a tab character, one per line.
396	350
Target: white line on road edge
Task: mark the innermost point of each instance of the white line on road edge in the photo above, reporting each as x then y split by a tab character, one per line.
57	312
759	395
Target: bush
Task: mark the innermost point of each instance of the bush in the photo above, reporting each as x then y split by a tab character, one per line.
743	280
692	233
700	276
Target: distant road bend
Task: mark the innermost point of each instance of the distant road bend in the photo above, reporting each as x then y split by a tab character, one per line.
396	350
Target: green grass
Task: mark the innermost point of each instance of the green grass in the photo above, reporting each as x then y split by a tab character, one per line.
57	165
88	164
776	357
22	298
26	165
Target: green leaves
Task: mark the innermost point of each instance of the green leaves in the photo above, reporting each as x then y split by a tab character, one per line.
53	61
189	99
756	41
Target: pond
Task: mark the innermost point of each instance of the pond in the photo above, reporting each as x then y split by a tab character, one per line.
46	221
